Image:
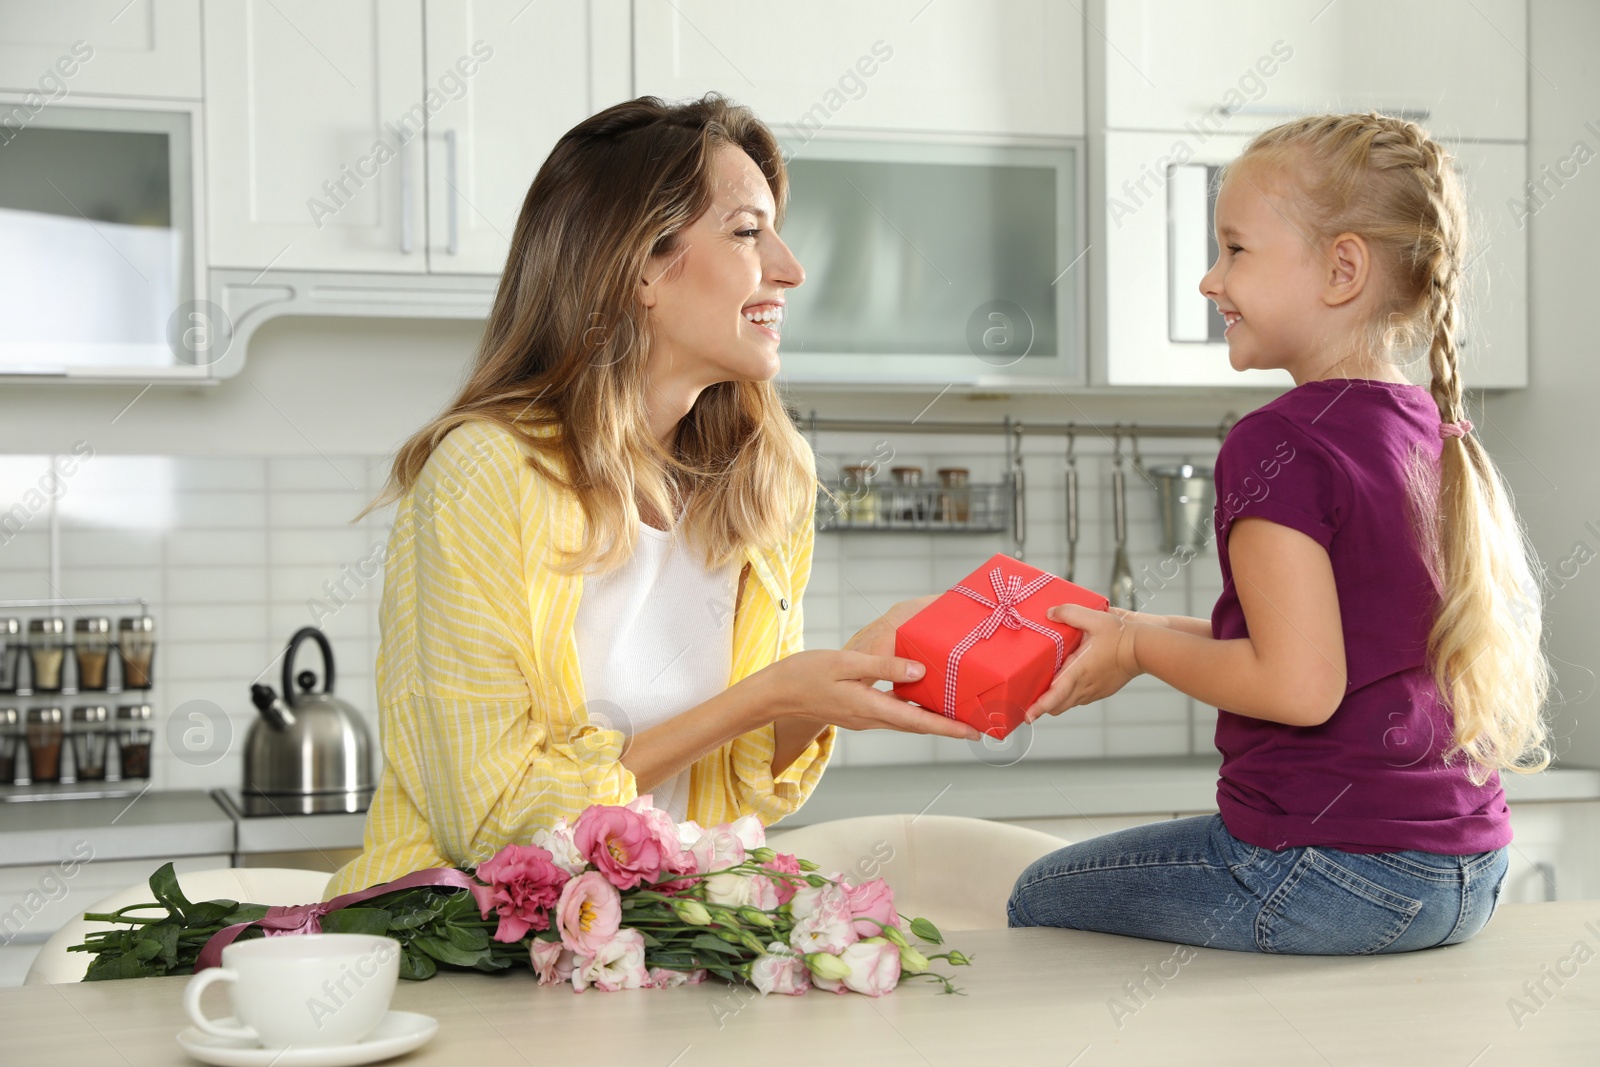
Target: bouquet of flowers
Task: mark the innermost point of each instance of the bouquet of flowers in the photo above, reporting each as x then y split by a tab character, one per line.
622	899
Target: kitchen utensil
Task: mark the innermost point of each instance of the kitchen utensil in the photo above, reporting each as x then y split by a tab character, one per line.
11	645
10	742
133	741
1072	503
955	502
1121	595
1019	494
306	742
307	991
44	745
47	650
89	741
91	649
1184	493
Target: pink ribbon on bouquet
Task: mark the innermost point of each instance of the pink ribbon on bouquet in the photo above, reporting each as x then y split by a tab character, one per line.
307	918
1008	593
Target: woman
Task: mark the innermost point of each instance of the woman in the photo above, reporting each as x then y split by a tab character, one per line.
593	583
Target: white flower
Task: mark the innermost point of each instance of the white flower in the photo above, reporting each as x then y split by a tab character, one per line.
688	833
619	964
718	848
750	832
563	852
826	925
780	971
733	890
874	968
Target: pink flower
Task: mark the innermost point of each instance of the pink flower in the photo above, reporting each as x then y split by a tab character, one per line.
523	885
874	969
823	921
870	904
623	845
665	978
780	971
617	964
763	893
552	961
589	913
783	863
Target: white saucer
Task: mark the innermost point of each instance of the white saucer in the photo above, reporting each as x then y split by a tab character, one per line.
397	1032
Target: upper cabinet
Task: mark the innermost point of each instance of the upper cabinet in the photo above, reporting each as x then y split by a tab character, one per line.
132	48
315	117
1006	67
522	75
1239	65
387	147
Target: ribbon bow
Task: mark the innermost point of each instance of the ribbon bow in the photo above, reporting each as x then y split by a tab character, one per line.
1008	593
307	918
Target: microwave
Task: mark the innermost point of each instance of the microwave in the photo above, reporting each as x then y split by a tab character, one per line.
100	270
935	263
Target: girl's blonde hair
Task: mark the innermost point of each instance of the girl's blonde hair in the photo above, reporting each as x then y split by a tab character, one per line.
1386	180
562	361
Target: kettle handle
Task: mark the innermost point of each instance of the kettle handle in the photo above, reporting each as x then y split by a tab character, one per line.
288	661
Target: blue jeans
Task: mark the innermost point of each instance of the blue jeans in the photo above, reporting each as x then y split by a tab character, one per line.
1189	881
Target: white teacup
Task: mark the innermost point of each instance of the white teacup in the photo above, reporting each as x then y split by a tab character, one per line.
302	990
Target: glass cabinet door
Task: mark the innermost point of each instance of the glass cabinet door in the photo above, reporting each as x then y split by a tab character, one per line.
932	263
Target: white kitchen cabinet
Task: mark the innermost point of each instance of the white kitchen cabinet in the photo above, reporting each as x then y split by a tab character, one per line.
1239	65
1004	67
537	70
146	48
1555	852
314	121
1132	281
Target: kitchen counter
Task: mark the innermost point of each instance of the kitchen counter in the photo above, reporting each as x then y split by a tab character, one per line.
154	823
1032	997
1047	789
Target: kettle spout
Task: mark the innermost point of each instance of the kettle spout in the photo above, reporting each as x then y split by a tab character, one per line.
272	709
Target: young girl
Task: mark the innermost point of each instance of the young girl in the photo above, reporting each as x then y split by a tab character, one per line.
1376	649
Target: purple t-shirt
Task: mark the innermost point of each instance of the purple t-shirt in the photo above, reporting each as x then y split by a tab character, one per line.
1328	458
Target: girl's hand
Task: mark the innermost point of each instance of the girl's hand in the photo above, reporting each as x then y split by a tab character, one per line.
823	687
1103	662
876	638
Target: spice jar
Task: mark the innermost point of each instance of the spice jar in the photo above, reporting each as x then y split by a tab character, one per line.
909	503
136	645
44	744
90	739
955	502
859	500
47	651
11	645
133	740
10	742
91	647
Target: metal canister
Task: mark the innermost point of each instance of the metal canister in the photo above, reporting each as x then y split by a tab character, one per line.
1185	493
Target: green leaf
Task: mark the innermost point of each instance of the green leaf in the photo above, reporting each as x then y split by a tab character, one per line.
104	968
927	931
211	911
164	884
468	938
710	943
356	921
415	965
167	937
443	951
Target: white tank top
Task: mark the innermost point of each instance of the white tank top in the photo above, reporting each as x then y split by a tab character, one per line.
655	638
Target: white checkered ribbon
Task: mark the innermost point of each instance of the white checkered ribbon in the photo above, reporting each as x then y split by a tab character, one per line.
1008	593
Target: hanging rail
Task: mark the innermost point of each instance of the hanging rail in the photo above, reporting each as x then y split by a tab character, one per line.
1218	430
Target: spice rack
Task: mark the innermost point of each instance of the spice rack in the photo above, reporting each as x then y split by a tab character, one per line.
62	728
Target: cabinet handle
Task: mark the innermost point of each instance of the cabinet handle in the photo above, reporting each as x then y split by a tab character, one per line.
454	244
405	196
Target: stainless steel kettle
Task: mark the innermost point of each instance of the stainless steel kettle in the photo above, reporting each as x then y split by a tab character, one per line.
306	743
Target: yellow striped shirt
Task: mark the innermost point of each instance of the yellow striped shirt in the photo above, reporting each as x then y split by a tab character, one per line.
481	703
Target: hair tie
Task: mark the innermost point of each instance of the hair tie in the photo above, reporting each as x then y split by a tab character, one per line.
1455	429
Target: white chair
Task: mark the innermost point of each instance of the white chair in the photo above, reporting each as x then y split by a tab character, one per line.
255	885
955	872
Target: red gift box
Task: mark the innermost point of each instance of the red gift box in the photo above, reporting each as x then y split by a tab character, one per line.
989	650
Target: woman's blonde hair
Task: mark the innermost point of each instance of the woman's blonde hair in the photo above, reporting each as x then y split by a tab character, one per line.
1386	180
562	361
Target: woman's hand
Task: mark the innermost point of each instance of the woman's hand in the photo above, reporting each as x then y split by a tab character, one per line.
1103	662
824	687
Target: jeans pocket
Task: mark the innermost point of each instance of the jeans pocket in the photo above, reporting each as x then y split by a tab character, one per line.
1325	909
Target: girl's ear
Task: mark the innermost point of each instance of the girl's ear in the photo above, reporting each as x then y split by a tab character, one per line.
1349	266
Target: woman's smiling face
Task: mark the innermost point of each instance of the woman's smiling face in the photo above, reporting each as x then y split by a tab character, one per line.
715	302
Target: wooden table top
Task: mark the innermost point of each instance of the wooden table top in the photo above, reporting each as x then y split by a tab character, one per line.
1525	991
